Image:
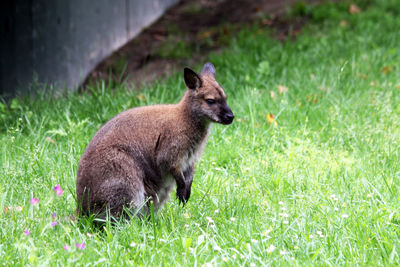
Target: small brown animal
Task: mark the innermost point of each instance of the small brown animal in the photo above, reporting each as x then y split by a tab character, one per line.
142	152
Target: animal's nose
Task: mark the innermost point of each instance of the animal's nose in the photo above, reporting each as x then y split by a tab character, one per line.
230	116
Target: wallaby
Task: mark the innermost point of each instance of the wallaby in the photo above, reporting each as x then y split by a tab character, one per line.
142	152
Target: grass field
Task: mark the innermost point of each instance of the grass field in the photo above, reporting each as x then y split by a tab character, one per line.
308	173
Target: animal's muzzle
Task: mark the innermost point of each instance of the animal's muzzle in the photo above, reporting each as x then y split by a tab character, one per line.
228	116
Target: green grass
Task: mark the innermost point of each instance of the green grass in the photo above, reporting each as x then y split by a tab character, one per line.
321	186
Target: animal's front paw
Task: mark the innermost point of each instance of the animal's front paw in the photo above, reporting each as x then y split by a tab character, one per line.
182	195
187	193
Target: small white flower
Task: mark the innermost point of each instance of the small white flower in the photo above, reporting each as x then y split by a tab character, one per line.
344	216
320	234
216	211
271	248
285	222
283	208
133	244
254	241
252	264
233	219
235	185
281	203
311	236
266	232
283	214
212	225
89	235
209	219
336	209
282	252
234	256
186	225
17	208
197	224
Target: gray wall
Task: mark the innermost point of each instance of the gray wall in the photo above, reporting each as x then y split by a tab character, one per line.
60	41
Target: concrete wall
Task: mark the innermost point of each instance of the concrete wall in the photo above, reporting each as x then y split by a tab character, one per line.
60	41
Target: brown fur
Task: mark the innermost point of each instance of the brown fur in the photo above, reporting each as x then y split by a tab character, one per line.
142	152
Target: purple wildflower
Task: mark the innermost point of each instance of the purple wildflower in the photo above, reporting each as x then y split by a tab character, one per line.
34	201
53	215
80	246
53	224
58	190
26	232
66	247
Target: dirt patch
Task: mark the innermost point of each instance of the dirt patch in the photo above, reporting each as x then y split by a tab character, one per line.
186	33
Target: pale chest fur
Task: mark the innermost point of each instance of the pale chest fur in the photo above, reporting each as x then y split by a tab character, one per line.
193	154
164	191
190	157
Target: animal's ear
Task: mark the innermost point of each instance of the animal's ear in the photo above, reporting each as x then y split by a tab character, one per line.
208	69
192	80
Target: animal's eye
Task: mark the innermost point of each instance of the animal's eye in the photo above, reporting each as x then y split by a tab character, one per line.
210	101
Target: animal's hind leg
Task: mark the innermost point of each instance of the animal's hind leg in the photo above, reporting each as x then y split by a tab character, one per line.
117	197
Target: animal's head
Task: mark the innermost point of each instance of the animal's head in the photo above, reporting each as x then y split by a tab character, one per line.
207	97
